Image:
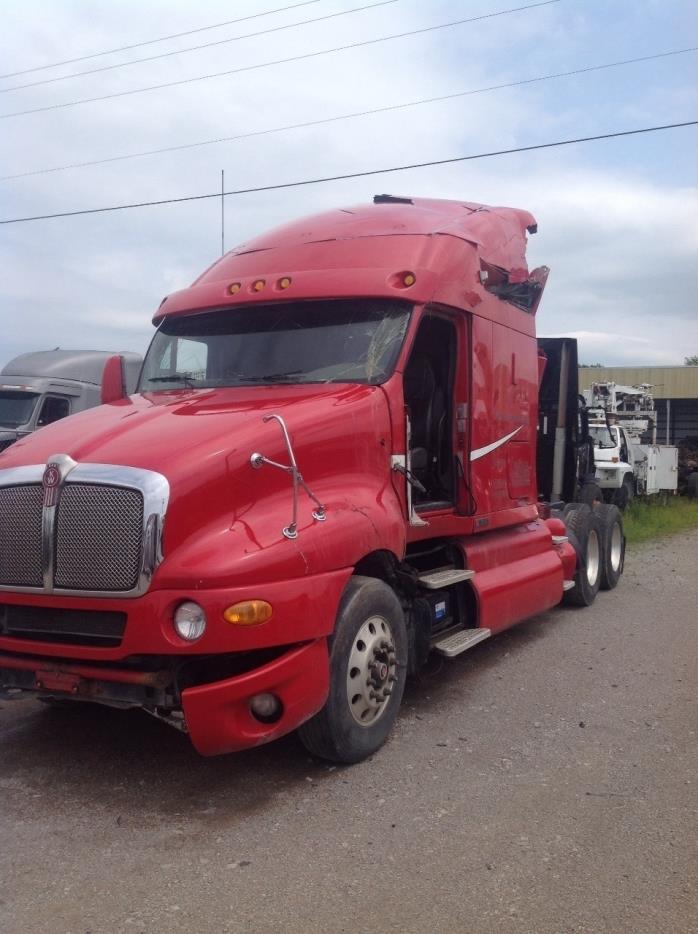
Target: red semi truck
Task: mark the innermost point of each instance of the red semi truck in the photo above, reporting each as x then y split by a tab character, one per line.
347	450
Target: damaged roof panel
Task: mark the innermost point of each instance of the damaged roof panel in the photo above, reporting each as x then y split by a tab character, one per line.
498	233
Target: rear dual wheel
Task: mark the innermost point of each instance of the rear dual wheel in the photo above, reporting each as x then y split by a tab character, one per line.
612	545
368	667
597	535
586	536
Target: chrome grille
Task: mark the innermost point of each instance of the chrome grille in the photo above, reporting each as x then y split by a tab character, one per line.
20	535
98	538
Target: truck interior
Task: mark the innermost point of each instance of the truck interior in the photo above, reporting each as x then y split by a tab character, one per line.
428	387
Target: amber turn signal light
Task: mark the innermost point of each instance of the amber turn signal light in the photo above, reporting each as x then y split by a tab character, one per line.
248	613
284	282
234	288
258	285
409	279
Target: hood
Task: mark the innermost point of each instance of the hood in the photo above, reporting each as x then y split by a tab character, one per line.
221	508
8	436
176	431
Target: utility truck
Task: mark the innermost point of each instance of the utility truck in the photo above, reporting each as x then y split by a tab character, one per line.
619	417
37	389
328	471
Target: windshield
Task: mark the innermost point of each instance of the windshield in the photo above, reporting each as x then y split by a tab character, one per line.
16	407
602	437
356	341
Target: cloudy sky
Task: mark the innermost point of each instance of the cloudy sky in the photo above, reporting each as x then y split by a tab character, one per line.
618	219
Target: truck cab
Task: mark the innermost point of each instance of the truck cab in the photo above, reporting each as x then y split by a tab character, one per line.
614	459
37	389
328	471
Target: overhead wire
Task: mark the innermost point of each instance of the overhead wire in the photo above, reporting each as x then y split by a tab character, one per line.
174	35
205	45
353	115
281	61
350	175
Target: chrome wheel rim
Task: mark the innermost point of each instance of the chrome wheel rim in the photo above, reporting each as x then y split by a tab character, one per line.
593	555
616	546
372	671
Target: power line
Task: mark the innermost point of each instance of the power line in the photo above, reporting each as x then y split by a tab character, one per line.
350	116
195	48
175	35
280	61
349	175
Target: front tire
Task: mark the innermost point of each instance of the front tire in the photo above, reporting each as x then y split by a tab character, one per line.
368	668
625	494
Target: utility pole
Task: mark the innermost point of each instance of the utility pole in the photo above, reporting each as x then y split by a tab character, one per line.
222	212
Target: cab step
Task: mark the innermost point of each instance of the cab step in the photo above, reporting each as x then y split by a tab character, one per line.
460	641
437	580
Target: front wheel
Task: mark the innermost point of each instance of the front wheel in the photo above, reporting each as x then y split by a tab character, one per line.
625	494
368	667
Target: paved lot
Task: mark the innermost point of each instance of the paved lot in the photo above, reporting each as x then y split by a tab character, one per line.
544	782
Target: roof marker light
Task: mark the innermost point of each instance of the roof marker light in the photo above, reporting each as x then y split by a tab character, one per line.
409	279
258	285
284	282
234	288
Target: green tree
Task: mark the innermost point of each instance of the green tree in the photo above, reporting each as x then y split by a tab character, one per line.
691	361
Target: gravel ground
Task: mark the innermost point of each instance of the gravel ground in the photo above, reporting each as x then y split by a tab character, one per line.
543	782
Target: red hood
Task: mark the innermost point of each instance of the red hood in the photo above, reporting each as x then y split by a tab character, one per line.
174	432
201	441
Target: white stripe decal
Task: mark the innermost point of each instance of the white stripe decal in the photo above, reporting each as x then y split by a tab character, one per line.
488	448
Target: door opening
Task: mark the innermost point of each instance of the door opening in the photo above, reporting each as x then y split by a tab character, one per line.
428	387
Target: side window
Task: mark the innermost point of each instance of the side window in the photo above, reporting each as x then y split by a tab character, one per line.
624	450
53	408
192	358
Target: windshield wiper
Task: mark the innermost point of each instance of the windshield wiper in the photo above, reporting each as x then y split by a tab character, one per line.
271	377
187	378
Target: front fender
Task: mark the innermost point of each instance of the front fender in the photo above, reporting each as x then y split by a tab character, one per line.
251	547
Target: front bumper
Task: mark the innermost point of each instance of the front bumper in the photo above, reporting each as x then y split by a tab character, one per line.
286	656
609	478
304	609
218	716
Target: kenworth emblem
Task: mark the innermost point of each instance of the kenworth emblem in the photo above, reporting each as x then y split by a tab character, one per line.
51	481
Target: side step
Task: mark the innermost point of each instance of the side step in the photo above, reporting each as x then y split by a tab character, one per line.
437	580
460	641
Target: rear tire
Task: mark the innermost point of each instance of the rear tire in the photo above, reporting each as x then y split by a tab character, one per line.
591	493
368	668
612	545
585	526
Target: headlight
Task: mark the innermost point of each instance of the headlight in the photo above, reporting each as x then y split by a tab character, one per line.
189	621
